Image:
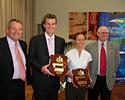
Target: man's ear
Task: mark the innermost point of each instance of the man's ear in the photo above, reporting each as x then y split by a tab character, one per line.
44	25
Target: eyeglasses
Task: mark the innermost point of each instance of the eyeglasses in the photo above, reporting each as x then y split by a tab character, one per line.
104	32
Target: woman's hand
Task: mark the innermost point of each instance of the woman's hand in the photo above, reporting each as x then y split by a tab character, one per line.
69	74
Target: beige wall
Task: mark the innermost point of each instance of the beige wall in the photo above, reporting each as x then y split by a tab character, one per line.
62	7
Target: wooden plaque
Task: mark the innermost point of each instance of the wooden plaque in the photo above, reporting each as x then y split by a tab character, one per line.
58	65
81	78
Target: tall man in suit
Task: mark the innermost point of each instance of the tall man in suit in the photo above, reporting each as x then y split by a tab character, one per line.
103	78
45	84
12	79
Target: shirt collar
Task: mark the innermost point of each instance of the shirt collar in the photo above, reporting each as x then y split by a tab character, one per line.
11	42
48	37
99	43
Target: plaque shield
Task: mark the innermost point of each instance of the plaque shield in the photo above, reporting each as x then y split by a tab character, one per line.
81	78
58	65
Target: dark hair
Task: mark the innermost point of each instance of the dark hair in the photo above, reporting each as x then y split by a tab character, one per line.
80	33
49	16
14	20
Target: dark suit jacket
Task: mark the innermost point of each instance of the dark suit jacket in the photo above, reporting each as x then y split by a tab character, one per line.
39	56
6	63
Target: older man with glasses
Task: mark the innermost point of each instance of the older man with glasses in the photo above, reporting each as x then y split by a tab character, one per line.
106	59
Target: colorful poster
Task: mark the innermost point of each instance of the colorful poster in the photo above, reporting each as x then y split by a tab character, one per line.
117	35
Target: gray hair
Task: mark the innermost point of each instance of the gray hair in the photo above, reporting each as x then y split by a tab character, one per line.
102	27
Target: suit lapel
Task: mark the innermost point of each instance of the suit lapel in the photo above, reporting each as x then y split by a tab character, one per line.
23	47
7	51
96	54
6	48
44	43
56	44
109	50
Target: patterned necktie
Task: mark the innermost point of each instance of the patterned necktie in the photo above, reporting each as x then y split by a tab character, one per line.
102	61
20	62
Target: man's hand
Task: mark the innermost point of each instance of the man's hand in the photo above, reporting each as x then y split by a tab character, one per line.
45	70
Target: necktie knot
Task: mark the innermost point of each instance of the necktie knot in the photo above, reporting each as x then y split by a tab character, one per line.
50	39
102	44
16	44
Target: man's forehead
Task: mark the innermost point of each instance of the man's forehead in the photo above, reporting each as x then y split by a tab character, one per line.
103	30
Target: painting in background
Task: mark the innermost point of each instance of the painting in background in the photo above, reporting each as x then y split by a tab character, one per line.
93	22
83	22
77	23
88	23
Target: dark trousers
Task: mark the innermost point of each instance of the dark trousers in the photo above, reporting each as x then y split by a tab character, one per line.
46	87
49	95
100	88
73	93
13	90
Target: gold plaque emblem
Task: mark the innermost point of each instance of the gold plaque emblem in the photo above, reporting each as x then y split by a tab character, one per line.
59	59
81	73
81	77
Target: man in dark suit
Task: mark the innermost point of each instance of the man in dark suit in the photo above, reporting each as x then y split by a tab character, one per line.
45	84
102	72
12	85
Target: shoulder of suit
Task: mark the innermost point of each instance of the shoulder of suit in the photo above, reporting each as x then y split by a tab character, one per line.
115	45
36	37
59	38
92	44
3	39
23	43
